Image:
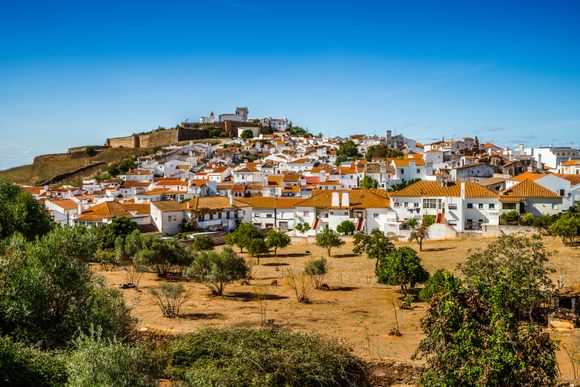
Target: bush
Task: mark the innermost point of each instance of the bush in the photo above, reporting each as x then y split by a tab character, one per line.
346	227
527	219
100	362
21	366
262	357
401	267
316	270
169	298
510	217
90	151
435	284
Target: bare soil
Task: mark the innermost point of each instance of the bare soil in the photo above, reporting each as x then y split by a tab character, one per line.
356	311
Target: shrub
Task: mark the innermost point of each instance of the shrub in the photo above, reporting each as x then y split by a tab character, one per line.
510	217
527	219
21	366
567	227
301	284
262	357
90	151
316	269
169	298
401	267
435	284
99	362
346	227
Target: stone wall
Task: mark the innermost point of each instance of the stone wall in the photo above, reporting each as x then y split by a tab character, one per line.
123	142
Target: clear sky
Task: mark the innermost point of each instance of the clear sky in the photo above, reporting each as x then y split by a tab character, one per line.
77	72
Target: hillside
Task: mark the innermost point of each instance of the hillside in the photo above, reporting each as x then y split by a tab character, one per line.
46	167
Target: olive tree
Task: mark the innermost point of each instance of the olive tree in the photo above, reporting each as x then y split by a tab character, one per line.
328	239
401	267
277	240
376	245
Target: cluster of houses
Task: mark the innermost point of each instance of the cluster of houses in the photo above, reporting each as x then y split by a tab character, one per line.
277	181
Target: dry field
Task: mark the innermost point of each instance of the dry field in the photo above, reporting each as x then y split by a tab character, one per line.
356	311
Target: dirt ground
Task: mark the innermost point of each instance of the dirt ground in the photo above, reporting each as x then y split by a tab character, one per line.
355	311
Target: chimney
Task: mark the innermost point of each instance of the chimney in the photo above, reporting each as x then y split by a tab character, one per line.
345	199
462	190
335	200
231	199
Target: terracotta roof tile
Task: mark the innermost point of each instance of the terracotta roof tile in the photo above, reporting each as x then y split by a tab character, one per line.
527	189
433	188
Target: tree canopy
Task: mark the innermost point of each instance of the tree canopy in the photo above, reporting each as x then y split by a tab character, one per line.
401	267
376	245
347	150
346	227
242	236
277	240
21	213
367	182
328	239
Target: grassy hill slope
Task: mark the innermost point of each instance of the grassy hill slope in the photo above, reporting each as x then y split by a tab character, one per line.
46	167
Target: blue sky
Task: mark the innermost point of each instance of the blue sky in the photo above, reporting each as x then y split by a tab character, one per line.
77	72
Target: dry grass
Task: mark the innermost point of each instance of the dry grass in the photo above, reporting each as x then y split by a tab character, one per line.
356	311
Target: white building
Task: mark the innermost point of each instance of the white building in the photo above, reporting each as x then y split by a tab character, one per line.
552	157
554	183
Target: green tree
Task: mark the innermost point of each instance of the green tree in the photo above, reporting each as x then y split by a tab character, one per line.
420	233
328	240
217	269
163	254
376	245
346	227
120	226
98	361
474	332
242	236
567	227
347	150
214	133
527	219
401	267
257	247
21	213
403	184
382	151
316	269
368	182
247	134
277	240
302	228
202	242
48	294
297	131
90	151
169	298
122	167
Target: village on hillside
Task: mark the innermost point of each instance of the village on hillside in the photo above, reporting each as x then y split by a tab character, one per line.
272	174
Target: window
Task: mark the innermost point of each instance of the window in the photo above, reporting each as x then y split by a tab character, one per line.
452	206
418	170
555	206
406	204
416	205
562	192
429	203
469	205
491	206
480	206
376	215
402	171
268	215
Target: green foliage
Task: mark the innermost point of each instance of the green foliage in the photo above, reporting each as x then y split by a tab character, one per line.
316	269
257	247
21	213
97	361
403	184
202	242
368	182
474	332
543	222
90	151
346	227
567	227
435	284
48	293
242	236
169	298
527	219
217	269
510	217
302	228
328	240
189	226
119	227
262	357
428	220
401	267
151	250
347	150
376	245
214	133
122	167
382	151
21	366
277	240
516	261
297	131
247	134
